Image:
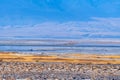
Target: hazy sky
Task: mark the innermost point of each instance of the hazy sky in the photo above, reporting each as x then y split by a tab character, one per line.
78	18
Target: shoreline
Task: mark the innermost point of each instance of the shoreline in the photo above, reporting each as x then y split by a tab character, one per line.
14	66
70	58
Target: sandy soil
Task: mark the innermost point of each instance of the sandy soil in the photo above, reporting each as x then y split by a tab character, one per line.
72	58
14	66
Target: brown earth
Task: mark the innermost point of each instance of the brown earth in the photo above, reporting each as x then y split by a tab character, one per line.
71	58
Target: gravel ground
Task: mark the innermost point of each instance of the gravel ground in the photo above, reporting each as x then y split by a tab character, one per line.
58	71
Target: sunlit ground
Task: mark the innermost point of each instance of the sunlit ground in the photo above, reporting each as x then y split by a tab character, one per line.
72	58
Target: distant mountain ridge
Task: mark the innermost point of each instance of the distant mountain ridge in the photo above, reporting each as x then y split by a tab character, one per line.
94	28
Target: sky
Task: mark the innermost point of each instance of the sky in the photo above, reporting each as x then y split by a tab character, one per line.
60	18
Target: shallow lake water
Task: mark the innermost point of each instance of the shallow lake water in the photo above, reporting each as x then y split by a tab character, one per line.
60	47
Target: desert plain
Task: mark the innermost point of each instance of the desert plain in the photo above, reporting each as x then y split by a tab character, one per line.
16	66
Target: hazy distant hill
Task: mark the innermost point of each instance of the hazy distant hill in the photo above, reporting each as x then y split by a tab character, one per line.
94	28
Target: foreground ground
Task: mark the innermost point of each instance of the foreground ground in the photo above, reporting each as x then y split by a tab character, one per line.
63	67
58	71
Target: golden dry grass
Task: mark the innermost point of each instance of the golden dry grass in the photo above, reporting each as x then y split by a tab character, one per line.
71	58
